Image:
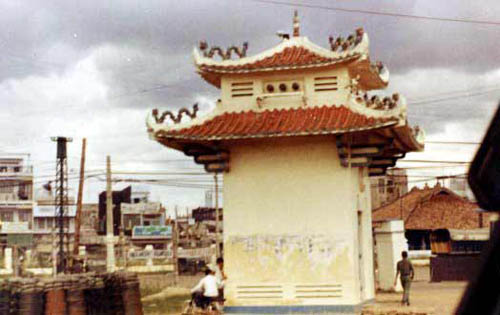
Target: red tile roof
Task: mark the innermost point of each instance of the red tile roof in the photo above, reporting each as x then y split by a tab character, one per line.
432	209
290	57
275	123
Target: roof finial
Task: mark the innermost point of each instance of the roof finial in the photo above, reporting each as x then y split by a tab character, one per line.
296	24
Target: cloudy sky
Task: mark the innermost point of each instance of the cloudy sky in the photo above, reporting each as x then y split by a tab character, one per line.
95	68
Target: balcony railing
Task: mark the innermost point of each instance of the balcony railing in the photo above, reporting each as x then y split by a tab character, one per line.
15	227
15	171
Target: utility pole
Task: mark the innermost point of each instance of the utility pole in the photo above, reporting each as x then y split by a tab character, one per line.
110	246
15	259
175	246
123	249
79	201
61	194
217	244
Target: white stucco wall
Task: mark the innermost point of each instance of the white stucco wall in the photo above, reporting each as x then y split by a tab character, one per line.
304	77
291	225
391	241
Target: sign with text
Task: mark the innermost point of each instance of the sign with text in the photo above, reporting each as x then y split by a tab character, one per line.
152	232
142	207
187	253
150	254
195	252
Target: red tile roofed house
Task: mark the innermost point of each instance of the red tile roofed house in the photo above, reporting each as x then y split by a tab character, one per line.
296	137
429	209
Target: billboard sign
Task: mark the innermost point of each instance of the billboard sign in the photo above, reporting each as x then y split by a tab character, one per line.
152	232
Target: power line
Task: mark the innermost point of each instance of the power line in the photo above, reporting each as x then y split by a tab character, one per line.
435	161
452	142
450	98
399	15
461	176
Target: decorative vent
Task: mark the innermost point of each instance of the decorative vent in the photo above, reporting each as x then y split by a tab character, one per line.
283	87
323	84
259	292
318	291
242	89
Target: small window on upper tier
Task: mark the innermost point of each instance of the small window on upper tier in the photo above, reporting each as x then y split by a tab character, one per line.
242	89
324	84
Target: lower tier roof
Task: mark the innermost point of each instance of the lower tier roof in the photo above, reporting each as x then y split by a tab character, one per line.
277	123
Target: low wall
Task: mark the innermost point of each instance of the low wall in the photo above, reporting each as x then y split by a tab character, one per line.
457	267
136	269
419	254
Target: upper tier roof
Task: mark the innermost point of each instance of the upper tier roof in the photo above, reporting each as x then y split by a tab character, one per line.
297	53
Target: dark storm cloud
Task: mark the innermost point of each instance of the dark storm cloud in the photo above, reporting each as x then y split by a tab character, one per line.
174	27
144	47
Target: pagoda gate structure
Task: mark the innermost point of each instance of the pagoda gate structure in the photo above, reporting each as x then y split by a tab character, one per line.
296	136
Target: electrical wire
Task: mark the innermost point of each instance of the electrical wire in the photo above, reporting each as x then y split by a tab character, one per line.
391	14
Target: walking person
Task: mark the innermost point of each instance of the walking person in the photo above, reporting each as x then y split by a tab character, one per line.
405	269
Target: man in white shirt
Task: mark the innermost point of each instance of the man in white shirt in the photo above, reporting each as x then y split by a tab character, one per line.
206	290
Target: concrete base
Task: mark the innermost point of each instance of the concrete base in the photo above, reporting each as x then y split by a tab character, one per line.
297	309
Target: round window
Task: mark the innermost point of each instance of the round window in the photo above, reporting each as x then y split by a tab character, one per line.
270	88
295	86
282	87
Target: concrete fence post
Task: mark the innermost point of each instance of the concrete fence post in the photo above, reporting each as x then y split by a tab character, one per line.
391	241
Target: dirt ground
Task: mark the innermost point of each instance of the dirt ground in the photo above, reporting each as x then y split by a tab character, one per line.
441	298
160	295
425	297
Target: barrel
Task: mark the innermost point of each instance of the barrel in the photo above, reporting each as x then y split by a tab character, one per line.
55	298
4	298
131	294
31	298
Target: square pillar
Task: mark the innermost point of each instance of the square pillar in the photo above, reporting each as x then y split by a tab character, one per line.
391	241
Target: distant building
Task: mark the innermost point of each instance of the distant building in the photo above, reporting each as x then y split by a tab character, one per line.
461	187
387	188
89	224
131	209
16	196
46	219
142	214
90	217
201	214
118	197
429	209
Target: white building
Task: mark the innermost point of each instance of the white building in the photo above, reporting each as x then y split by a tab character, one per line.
16	195
46	219
296	137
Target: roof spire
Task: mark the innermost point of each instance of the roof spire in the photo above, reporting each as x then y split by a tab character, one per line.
296	24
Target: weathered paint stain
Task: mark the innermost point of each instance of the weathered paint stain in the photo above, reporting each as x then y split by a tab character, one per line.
287	261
